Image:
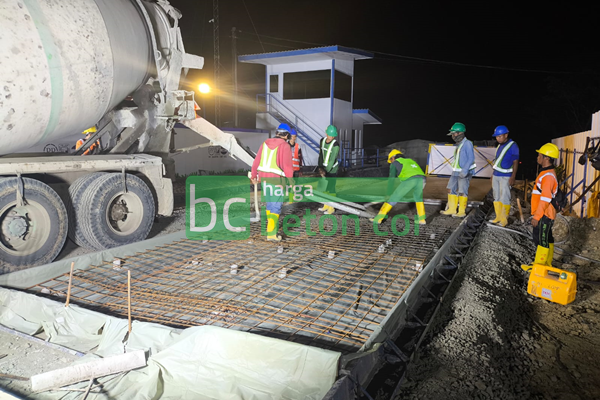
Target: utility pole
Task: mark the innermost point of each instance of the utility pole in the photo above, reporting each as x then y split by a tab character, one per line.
217	60
235	81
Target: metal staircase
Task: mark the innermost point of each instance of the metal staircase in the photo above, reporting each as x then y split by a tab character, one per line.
283	113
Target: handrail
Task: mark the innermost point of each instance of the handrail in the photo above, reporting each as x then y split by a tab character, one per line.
295	113
299	123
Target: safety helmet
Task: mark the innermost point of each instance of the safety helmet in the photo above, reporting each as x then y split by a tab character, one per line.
500	130
549	149
293	132
331	131
458	127
89	130
284	128
392	155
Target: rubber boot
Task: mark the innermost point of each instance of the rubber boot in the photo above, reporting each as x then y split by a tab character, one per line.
330	209
550	254
541	258
506	211
498	210
421	213
503	214
324	208
273	227
452	201
462	207
385	209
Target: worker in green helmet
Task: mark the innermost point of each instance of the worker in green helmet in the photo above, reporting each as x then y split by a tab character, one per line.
463	169
412	180
328	163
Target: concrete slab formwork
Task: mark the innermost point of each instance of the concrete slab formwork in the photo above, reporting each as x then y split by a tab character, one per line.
331	292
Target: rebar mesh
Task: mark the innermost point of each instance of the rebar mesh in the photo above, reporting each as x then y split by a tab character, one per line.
304	294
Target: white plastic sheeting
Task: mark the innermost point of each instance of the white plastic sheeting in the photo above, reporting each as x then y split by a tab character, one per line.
441	157
196	363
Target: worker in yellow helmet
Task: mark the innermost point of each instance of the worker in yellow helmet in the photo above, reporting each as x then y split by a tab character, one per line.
94	148
412	182
542	210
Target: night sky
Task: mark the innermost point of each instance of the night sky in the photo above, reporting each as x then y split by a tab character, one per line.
535	70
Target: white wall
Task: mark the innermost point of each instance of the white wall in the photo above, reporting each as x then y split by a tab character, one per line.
576	142
213	158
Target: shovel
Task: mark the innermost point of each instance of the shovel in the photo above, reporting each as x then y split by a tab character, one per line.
256	216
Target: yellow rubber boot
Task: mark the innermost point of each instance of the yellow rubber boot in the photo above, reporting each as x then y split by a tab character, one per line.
385	209
498	210
504	214
273	227
541	258
421	213
452	202
324	208
506	211
462	207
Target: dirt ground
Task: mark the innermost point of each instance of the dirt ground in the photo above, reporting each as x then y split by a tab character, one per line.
492	340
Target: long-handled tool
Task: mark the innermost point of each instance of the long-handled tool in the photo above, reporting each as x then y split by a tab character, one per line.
256	216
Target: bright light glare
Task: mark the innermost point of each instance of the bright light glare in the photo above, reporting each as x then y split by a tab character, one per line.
204	88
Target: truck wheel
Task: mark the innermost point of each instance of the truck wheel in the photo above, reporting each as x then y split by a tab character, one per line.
76	190
34	233
116	217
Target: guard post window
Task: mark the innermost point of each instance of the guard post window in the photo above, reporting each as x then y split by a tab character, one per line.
273	83
342	89
307	85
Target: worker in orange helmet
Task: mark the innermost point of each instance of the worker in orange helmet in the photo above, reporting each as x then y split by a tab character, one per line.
542	210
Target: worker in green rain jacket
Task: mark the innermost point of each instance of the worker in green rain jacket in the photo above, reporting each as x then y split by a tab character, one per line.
412	182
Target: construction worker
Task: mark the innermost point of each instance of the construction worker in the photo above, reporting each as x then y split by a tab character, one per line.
274	160
94	148
296	153
505	172
412	179
543	212
328	163
463	169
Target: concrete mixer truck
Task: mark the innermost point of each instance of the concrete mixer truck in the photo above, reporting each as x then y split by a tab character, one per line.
66	66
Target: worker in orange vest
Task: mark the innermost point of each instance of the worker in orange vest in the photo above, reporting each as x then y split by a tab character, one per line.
296	153
94	148
544	213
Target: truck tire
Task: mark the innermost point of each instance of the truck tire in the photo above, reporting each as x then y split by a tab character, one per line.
76	233
114	217
34	233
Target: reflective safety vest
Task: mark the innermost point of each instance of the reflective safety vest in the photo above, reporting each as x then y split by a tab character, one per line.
326	151
409	169
268	161
456	163
498	164
79	143
546	186
296	157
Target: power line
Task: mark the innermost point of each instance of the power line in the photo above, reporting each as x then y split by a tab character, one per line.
253	26
421	59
